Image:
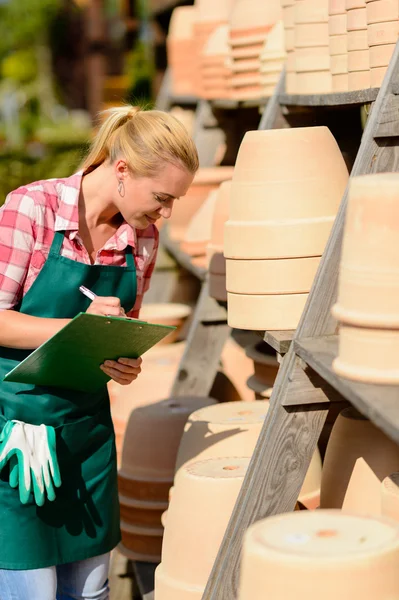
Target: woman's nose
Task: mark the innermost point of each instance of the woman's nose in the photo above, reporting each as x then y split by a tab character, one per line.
166	211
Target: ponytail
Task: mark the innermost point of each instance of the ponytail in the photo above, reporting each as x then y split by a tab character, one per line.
145	139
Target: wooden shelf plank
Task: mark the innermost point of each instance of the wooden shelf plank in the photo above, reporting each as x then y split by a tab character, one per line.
379	403
230	104
341	99
181	257
279	340
144	574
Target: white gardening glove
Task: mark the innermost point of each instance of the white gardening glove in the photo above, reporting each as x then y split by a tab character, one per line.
36	468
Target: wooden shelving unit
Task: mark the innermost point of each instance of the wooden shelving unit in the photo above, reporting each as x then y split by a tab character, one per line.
306	387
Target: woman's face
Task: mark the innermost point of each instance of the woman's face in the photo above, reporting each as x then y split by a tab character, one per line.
147	199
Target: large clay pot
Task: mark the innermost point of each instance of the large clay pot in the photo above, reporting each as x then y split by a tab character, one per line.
168	313
369	269
206	180
253	17
363	494
201	505
179	44
282	207
309	555
150	447
199	230
354	437
390	497
141	543
266	365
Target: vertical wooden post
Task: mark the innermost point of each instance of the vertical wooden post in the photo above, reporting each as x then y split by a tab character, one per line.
95	64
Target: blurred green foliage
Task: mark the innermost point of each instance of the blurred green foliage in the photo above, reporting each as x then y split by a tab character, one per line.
24	23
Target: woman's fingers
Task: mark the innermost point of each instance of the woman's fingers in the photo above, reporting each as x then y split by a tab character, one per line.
126	369
106	306
118	376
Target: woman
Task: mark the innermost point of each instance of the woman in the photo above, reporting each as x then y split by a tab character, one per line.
96	228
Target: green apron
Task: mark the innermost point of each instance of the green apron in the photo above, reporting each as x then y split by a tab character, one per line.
83	520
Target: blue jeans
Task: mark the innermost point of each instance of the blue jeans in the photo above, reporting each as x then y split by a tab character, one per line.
81	580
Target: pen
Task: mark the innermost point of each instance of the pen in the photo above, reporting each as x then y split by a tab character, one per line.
88	293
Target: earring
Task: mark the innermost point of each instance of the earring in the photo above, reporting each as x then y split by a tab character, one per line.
121	188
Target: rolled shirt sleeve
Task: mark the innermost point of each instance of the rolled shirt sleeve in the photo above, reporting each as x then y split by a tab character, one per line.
17	240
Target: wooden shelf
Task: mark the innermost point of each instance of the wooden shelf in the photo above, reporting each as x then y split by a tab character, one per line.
144	574
183	259
341	99
183	100
279	340
229	104
379	403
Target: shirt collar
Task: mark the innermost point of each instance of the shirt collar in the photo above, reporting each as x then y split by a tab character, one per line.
67	218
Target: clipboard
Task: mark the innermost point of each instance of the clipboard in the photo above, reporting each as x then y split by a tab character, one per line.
72	357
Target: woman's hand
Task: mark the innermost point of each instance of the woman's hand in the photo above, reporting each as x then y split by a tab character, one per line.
108	306
124	370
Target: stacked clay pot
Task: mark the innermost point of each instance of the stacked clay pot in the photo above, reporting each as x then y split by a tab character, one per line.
199	229
390	497
338	45
180	49
205	181
288	9
284	196
272	59
210	16
215	65
354	437
312	52
172	314
328	554
382	35
250	23
265	370
358	48
216	260
363	494
368	291
201	505
150	448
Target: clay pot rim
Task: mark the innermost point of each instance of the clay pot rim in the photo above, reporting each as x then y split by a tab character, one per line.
364	320
131	502
256	385
260	357
181	585
212	175
153	558
365	374
311	500
197	416
124	474
139	530
167	310
190	466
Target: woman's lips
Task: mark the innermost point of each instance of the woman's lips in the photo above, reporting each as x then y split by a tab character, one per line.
150	219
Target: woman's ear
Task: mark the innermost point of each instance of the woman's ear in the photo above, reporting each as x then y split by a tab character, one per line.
121	169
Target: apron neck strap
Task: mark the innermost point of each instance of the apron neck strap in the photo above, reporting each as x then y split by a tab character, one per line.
130	258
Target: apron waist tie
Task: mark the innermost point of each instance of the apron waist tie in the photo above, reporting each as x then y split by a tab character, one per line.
31	453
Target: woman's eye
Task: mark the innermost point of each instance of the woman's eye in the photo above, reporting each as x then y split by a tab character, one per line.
159	199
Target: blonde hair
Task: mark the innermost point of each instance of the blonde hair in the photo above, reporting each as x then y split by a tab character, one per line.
145	139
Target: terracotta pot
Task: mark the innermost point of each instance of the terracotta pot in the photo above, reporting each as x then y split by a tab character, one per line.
249	51
377	76
152	440
336	7
181	22
220	216
339	64
354	437
217	287
351	4
261	390
381	55
261	312
358	60
368	291
319	82
357	19
199	230
250	15
206	180
141	543
340	83
338	44
363	495
381	11
141	514
203	498
209	11
311	11
312	59
171	314
310	35
390	497
357	40
337	25
368	355
266	366
226	429
237	367
383	33
353	556
359	80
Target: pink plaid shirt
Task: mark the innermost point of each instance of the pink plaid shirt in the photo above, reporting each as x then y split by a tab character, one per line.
28	219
